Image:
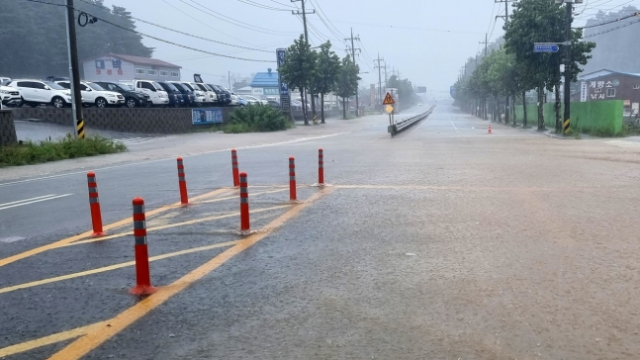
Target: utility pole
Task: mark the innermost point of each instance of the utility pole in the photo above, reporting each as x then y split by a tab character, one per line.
304	14
566	126
229	76
353	56
506	22
379	67
74	71
484	101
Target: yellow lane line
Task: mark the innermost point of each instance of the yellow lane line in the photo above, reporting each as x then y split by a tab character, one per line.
114	225
97	336
48	340
168	226
236	197
112	267
469	188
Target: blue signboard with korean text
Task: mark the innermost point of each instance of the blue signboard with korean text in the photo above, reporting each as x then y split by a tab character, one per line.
206	116
285	96
116	64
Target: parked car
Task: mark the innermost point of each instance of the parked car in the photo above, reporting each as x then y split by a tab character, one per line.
242	101
156	93
94	94
36	92
211	93
56	78
132	98
274	104
254	100
187	94
175	96
200	97
234	98
4	80
221	98
10	96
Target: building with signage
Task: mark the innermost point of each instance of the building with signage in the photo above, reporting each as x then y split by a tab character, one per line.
265	85
116	67
607	84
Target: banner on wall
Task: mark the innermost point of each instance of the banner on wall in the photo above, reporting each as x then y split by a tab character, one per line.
206	116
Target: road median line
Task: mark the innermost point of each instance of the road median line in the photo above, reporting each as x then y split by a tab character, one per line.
97	336
87	234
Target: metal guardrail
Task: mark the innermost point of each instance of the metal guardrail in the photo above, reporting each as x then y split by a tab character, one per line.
405	124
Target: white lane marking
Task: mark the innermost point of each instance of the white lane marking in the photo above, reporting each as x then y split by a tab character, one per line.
34	201
25	200
173	157
11	239
452	124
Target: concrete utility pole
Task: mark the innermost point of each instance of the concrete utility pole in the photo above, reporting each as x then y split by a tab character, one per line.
485	43
74	71
566	126
506	9
304	14
353	56
379	67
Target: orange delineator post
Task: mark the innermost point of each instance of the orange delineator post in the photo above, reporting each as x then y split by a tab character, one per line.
182	183
489	130
234	166
94	205
292	179
320	167
143	276
244	203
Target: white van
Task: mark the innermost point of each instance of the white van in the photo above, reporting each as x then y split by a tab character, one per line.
156	93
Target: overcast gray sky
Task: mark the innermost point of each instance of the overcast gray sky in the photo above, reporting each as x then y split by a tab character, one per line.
426	40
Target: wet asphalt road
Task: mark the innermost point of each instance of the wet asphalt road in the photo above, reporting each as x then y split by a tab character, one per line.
442	243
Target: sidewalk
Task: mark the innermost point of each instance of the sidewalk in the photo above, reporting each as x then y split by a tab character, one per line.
155	148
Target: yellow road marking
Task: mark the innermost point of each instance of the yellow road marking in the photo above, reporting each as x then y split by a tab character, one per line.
97	336
107	227
112	267
236	197
168	226
48	340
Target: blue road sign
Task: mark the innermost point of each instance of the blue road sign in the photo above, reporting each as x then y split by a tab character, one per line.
546	48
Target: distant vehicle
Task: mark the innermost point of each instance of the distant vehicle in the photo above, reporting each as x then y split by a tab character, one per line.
419	104
175	96
187	94
254	100
235	101
274	104
56	78
242	101
10	96
132	98
210	96
94	94
200	97
224	97
156	93
36	92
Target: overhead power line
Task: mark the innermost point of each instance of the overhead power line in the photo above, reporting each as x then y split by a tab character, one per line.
317	6
185	33
635	14
261	6
157	38
232	21
612	29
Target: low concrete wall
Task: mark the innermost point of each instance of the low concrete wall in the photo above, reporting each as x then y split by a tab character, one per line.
7	128
158	121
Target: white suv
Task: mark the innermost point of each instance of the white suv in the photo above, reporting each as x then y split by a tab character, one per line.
157	94
94	94
10	96
36	92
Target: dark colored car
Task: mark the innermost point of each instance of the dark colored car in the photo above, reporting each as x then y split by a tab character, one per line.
274	104
175	96
188	95
57	78
224	97
132	98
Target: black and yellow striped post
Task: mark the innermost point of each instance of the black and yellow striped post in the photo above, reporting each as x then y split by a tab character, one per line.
566	127
80	128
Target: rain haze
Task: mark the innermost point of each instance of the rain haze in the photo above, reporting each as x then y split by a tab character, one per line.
452	179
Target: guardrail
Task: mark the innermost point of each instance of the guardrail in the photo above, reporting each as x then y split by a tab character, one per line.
405	124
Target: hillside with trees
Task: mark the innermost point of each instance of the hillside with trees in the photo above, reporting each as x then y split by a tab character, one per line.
34	37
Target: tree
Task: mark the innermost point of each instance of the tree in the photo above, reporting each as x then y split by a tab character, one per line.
298	69
347	82
542	21
326	74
